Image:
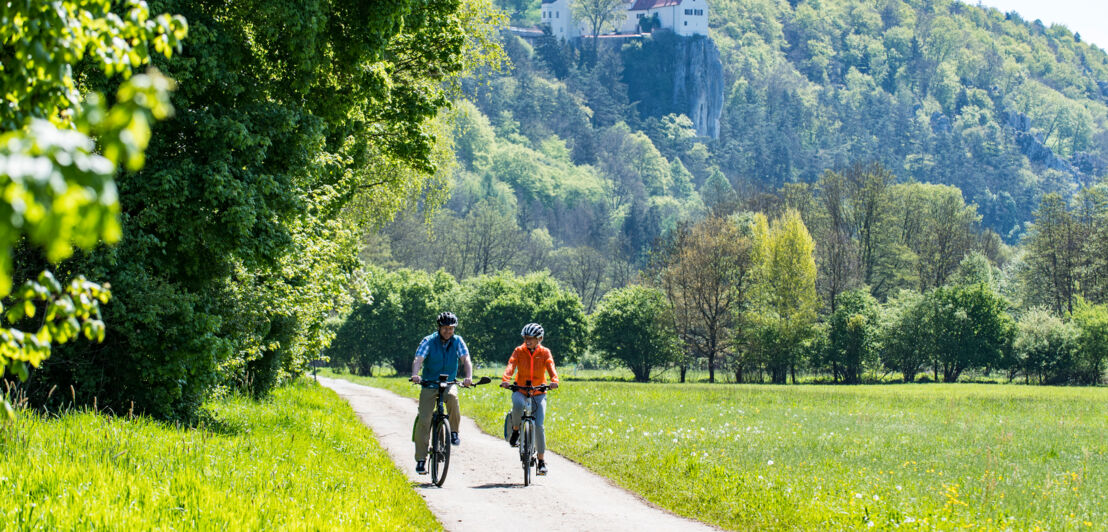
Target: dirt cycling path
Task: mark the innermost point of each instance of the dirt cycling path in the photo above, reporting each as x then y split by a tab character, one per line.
484	490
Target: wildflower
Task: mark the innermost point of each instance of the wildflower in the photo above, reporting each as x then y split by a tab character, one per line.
769	462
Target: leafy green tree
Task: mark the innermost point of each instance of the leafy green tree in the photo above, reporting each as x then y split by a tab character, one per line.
968	328
1092	340
291	132
905	348
1045	346
706	272
717	192
853	336
633	326
60	148
784	305
1053	245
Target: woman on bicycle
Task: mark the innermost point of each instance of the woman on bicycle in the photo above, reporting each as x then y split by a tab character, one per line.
530	362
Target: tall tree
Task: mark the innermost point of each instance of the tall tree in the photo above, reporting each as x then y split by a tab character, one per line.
785	303
1053	245
60	148
232	238
705	274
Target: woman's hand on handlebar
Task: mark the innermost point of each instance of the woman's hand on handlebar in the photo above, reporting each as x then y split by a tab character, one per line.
553	386
415	379
506	385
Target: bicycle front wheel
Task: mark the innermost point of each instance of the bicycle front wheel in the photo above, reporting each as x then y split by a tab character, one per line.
440	451
527	449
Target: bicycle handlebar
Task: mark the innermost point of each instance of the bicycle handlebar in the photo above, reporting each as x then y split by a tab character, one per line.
539	388
444	384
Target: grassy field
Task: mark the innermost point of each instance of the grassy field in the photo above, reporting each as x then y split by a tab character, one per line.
298	461
933	456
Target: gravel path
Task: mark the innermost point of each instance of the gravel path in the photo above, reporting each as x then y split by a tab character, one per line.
484	487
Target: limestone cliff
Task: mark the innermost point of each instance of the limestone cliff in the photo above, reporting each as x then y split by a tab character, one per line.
666	73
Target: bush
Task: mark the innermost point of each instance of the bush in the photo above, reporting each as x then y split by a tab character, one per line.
1045	346
1092	341
633	326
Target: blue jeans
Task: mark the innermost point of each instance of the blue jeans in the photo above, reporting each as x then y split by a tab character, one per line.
538	410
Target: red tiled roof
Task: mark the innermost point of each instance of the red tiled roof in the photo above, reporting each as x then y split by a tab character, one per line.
643	5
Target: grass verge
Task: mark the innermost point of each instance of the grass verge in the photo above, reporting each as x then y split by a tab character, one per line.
299	460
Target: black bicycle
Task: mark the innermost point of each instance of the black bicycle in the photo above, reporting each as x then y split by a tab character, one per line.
527	429
439	449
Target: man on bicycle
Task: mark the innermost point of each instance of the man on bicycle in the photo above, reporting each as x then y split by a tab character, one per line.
530	362
438	354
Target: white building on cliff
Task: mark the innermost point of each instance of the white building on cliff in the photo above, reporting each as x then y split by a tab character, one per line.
683	17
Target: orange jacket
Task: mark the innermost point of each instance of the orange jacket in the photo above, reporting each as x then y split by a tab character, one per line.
530	366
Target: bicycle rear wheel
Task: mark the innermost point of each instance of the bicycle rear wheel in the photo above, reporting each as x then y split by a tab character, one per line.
527	449
440	451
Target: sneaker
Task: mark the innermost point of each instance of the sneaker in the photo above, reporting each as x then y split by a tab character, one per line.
541	470
421	467
454	440
514	440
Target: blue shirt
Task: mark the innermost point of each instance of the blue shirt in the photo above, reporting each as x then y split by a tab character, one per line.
439	358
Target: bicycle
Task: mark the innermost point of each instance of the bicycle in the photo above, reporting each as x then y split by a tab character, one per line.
527	430
439	449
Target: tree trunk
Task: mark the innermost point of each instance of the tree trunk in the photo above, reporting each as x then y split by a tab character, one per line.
683	370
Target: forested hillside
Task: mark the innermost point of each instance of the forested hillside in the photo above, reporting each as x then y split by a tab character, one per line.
574	151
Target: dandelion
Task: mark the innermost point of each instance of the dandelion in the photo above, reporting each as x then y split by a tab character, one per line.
898	488
857	495
876	498
769	462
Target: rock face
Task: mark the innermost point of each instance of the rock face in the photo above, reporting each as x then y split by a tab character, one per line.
698	82
1032	146
669	74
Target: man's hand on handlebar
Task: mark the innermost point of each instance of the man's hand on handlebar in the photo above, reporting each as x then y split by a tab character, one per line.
415	379
553	386
467	383
506	385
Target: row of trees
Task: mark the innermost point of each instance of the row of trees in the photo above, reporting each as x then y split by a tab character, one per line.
492	309
738	293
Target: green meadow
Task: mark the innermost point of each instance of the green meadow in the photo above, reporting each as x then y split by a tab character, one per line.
300	460
923	456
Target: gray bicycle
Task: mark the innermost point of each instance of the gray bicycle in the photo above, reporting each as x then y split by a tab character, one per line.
527	430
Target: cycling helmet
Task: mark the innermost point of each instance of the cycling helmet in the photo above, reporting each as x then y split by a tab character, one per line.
532	329
447	318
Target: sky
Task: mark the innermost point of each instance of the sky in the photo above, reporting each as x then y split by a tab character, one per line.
1086	17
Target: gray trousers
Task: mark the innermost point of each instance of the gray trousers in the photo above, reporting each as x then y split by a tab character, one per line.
428	399
538	410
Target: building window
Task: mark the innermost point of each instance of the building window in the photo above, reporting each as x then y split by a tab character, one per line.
688	11
558	15
640	15
686	23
